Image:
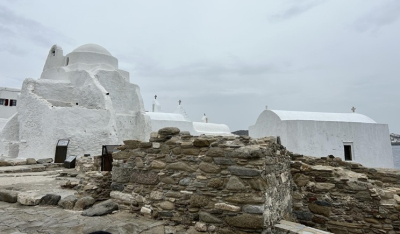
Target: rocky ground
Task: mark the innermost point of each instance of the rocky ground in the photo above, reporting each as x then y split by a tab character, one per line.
26	216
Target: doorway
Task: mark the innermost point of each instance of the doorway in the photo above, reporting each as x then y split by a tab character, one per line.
348	151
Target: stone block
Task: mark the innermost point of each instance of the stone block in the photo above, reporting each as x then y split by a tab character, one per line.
131	144
155	164
243	171
144	177
246	221
201	142
253	209
215	152
180	166
190	151
84	203
215	183
167	205
258	184
319	209
9	196
30	161
199	201
68	202
200	227
121	174
156	195
234	183
209	168
28	199
169	131
227	207
45	160
122	197
324	186
102	208
208	218
117	186
50	200
245	198
224	161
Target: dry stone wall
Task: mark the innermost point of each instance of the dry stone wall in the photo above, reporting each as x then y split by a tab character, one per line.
228	183
344	197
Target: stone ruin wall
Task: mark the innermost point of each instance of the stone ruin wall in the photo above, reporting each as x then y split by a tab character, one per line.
227	183
344	197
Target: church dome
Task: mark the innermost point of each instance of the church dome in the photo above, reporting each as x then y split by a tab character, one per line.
92	48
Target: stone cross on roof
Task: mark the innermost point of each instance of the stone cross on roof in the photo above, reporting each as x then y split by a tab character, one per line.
179	102
155	96
353	109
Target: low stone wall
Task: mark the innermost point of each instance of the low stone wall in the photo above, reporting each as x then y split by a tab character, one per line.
228	184
344	197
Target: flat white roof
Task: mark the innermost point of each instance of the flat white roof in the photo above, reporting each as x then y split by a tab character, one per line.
165	116
321	116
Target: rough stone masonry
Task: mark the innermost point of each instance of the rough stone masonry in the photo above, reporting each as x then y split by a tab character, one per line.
228	183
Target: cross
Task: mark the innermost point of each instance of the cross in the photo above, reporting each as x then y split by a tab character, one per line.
179	102
155	96
353	109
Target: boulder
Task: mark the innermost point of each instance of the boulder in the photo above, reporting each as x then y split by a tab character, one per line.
8	196
45	160
169	131
30	161
28	199
102	208
84	203
68	202
50	200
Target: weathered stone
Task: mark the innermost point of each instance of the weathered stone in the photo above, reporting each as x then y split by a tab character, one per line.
121	174
200	227
247	152
199	201
167	205
176	150
253	209
224	161
44	160
246	221
234	183
131	144
122	197
84	203
224	206
5	163
190	151
208	218
258	184
303	215
215	183
146	210
9	196
168	180
245	198
157	164
68	202
50	200
173	194
357	185
102	208
117	187
181	166
169	131
201	142
144	177
209	168
121	155
301	179
28	199
243	171
139	162
156	145
156	195
145	145
319	209
185	181
324	186
215	152
30	161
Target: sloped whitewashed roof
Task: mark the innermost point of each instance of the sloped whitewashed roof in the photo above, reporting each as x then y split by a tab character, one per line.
93	48
321	116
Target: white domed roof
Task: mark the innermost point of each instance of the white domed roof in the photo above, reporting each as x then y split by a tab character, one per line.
93	48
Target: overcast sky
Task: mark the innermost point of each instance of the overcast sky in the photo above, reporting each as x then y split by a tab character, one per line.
228	59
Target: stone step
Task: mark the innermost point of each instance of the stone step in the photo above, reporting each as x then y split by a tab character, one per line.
287	227
30	168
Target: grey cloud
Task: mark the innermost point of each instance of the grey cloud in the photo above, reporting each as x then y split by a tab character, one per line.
14	26
387	13
298	8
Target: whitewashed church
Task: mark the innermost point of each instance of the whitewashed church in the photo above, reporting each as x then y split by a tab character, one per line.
84	98
350	136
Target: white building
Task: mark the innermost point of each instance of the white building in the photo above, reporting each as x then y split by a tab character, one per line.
8	102
350	136
82	97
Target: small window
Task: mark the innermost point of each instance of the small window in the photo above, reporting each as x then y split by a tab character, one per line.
2	100
348	155
13	102
66	63
53	53
6	102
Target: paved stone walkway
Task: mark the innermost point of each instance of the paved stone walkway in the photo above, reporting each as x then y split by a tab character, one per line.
15	218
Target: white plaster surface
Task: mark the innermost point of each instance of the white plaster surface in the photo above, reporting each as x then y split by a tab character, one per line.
8	111
313	136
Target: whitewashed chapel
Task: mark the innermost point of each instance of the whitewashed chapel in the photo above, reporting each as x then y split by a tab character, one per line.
85	98
351	136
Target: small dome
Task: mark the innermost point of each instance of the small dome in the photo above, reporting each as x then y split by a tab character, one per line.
93	48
